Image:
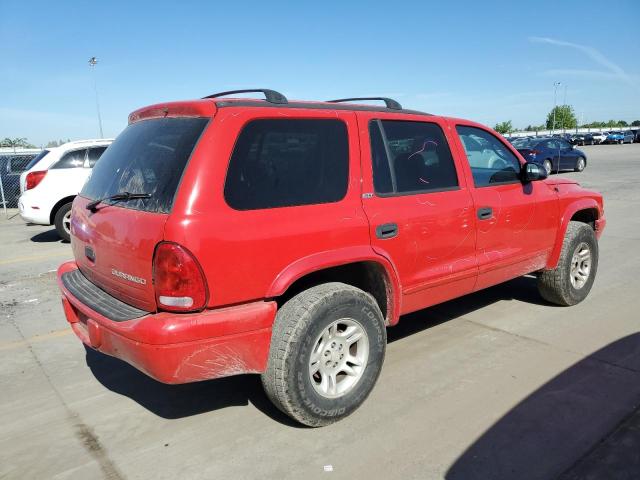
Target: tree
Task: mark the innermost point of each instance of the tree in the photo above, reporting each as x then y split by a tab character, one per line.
635	123
503	127
564	117
622	123
15	143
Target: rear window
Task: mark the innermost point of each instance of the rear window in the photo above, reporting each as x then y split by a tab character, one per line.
284	162
36	159
524	142
147	157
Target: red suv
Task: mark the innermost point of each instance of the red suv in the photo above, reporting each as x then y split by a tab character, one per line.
224	236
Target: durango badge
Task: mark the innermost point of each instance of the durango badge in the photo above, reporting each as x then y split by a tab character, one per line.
128	276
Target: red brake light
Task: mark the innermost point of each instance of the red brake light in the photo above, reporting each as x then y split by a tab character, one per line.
533	153
178	279
34	178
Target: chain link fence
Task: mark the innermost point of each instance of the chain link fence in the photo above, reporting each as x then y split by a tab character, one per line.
12	164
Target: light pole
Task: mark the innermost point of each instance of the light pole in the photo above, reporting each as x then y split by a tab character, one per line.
564	104
555	104
92	63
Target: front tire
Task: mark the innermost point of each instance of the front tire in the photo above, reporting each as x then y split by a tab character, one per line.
571	281
62	222
580	164
327	349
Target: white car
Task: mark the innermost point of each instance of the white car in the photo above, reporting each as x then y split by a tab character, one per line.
51	183
600	137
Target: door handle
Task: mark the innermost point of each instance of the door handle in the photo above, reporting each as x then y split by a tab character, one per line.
485	213
387	230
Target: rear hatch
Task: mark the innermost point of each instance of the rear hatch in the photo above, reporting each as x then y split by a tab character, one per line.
114	242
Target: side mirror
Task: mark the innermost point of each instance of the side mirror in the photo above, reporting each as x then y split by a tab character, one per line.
532	172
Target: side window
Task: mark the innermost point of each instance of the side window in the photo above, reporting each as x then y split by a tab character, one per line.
490	160
19	163
410	157
287	162
72	159
94	155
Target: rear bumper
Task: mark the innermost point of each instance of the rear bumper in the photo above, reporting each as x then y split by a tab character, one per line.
178	348
33	210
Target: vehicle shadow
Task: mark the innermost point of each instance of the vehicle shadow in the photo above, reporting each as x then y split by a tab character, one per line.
178	401
555	430
47	237
523	289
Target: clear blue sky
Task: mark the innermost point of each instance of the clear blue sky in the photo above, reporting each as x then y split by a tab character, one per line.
484	61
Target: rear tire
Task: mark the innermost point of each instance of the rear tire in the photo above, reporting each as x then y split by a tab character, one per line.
547	166
307	377
62	222
571	281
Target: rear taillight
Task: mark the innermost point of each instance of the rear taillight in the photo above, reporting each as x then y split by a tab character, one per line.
34	178
178	279
533	153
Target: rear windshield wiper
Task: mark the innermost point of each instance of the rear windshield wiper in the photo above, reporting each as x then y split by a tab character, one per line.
122	196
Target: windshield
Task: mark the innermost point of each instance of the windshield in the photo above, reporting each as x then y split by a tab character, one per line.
147	157
36	159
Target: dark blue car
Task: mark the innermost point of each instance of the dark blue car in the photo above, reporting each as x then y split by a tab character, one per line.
555	154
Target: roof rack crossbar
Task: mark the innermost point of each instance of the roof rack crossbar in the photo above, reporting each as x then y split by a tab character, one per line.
270	95
389	102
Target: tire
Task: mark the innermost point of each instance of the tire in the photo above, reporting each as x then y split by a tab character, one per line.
581	163
547	166
564	285
62	221
302	330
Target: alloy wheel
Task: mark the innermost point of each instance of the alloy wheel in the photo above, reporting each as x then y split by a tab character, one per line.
66	222
580	266
339	358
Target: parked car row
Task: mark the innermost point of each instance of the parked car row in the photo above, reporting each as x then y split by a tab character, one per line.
52	179
627	136
595	138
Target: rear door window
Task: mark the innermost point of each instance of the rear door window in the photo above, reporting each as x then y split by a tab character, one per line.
93	156
410	157
490	160
147	157
287	162
73	159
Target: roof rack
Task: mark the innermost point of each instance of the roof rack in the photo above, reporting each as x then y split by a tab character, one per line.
270	95
389	102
